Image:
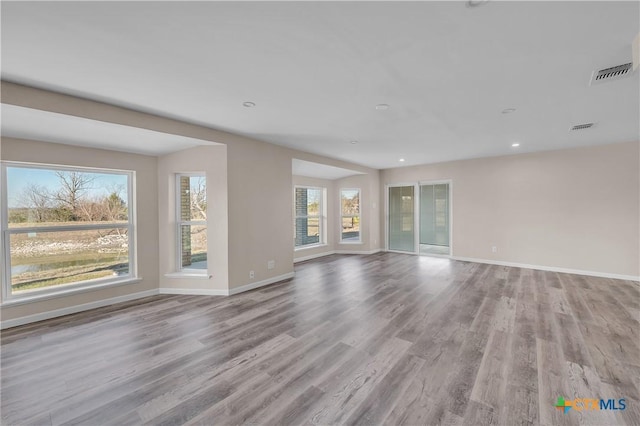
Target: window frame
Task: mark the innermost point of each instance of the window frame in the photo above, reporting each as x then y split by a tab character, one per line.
322	218
84	285
359	216
180	270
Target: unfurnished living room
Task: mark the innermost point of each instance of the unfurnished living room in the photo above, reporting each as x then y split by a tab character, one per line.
327	213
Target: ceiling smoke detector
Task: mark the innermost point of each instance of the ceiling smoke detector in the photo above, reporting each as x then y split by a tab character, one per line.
610	74
582	126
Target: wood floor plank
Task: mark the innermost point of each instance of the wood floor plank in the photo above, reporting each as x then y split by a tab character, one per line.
573	294
558	302
552	383
296	411
381	399
279	390
415	407
380	339
461	379
345	392
477	413
520	407
583	381
610	359
491	382
214	371
573	346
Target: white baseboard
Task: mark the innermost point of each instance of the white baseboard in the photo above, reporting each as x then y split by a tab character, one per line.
212	292
550	268
75	309
113	300
365	252
329	253
313	256
225	292
262	283
194	291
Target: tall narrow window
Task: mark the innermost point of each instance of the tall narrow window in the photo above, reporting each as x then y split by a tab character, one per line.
350	215
192	223
65	228
309	216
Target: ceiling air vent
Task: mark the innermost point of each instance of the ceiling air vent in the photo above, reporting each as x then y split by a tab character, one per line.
609	74
582	126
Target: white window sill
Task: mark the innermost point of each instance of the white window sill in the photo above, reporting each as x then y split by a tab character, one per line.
350	242
310	246
32	298
190	275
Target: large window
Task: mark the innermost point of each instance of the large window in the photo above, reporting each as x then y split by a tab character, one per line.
64	228
350	215
192	223
309	216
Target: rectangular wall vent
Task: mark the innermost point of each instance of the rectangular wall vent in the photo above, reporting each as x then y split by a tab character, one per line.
610	74
582	126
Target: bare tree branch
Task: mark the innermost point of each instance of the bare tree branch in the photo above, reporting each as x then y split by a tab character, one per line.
73	189
37	199
198	197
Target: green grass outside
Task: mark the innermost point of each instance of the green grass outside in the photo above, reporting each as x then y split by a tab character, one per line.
105	267
63	257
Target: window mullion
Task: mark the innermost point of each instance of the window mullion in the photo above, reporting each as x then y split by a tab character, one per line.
63	228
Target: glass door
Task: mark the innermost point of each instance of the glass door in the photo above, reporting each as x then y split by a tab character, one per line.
434	219
402	218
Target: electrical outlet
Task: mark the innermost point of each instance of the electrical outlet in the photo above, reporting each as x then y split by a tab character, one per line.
252	274
494	249
271	264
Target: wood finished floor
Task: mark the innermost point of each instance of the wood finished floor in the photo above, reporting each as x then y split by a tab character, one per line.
380	339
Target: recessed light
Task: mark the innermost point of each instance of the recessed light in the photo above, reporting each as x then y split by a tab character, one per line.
401	160
382	107
248	104
515	145
354	142
508	110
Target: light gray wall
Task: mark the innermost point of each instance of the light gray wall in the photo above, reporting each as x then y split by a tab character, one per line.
146	189
257	173
575	208
211	160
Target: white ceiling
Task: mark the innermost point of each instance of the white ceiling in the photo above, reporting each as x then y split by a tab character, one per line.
322	171
27	123
315	70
